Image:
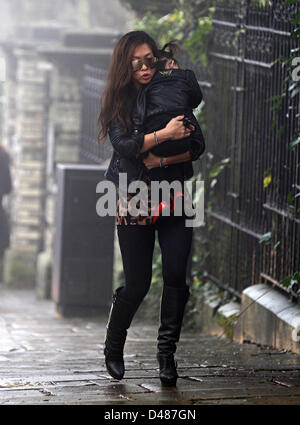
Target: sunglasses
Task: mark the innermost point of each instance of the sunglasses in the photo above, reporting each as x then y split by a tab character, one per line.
137	64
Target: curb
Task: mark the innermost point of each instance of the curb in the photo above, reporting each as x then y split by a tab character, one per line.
265	317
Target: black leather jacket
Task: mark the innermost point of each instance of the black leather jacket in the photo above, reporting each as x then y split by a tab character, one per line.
126	154
127	158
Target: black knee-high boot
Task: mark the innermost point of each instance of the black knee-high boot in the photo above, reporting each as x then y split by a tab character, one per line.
120	318
173	302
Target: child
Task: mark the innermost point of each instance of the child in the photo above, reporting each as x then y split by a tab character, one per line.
171	92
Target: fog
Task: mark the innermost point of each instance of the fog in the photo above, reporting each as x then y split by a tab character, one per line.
79	14
45	49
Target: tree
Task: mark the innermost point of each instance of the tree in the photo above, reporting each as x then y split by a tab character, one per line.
157	7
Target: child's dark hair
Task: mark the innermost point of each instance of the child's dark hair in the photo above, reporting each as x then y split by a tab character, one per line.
165	55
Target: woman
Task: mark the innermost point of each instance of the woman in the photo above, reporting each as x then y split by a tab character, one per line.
132	66
5	189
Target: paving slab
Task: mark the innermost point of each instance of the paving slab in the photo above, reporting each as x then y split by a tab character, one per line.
46	359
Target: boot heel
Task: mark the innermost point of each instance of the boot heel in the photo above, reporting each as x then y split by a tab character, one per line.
167	373
115	368
165	383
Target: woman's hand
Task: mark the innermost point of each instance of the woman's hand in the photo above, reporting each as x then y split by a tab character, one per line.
174	130
151	161
177	130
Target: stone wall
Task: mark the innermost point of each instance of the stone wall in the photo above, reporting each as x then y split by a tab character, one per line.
44	92
25	132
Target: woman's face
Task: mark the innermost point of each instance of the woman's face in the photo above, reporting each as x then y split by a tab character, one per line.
145	74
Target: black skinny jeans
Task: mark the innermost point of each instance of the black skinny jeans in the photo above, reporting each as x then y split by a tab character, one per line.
137	245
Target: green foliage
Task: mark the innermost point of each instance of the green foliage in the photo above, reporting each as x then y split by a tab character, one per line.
291	279
19	270
228	324
295	141
197	44
214	170
267	177
266	238
193	32
292	283
162	29
218	167
261	3
156	7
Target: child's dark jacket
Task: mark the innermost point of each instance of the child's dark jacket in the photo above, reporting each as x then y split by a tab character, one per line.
170	93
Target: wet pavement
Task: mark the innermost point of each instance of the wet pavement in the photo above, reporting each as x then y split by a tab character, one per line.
45	359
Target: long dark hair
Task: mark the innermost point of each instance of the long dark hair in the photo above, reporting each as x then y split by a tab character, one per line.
119	94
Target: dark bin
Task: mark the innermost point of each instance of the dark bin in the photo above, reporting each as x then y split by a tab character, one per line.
83	244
